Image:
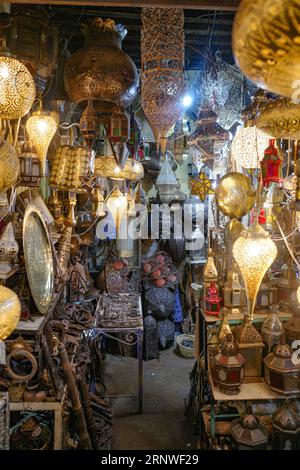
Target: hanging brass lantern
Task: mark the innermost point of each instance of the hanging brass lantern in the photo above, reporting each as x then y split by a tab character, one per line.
106	167
17	88
101	70
280	118
266	43
9	165
162	49
208	136
69	166
10	310
235	195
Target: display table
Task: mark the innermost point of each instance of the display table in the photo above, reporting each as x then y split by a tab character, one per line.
129	320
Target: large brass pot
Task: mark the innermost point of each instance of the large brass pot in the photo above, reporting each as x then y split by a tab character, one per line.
266	43
101	70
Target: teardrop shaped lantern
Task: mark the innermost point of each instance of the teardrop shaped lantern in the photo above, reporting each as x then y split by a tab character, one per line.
41	127
162	49
17	88
254	253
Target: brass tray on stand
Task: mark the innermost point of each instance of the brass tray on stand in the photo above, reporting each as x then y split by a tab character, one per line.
38	258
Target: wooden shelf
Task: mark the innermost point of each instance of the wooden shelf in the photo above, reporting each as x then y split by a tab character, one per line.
248	391
259	317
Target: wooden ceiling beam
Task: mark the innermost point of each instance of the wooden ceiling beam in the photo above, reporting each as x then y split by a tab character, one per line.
220	5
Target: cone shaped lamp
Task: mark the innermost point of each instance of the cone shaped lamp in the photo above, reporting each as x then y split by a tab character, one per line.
254	253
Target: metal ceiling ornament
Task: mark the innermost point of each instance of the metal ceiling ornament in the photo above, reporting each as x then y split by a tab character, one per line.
280	118
101	70
38	258
162	48
266	43
201	187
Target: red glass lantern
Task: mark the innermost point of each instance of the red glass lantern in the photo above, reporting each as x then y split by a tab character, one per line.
271	164
212	301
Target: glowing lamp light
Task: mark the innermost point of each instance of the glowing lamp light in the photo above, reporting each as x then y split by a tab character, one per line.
116	204
254	252
298	295
248	147
187	100
17	88
41	127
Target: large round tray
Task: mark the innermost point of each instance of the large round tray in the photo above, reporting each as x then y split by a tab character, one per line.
38	258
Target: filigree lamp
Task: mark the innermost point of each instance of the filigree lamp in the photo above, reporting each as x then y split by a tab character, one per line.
248	146
254	252
10	311
116	203
41	127
17	88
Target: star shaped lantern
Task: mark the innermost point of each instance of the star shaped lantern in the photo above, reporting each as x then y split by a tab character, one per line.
201	187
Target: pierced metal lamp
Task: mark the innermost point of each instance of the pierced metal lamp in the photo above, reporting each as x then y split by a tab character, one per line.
254	252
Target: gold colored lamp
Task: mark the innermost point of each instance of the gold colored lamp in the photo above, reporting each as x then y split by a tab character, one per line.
17	88
254	253
10	311
116	203
41	127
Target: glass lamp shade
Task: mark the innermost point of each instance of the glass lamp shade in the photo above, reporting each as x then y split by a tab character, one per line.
41	127
10	311
17	89
248	147
116	203
254	252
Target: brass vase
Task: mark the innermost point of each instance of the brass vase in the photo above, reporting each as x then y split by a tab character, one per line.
101	70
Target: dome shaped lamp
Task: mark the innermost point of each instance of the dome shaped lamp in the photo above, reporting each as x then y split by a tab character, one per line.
254	253
10	311
41	127
17	88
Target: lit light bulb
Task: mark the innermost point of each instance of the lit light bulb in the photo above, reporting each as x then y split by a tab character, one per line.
254	253
116	203
187	100
4	72
117	170
41	127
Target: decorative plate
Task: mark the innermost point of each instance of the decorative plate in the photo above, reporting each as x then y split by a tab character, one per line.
38	258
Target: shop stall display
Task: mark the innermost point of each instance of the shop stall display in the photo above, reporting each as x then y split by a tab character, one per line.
149	205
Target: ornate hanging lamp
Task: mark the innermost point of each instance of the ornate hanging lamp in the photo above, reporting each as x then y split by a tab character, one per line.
254	252
41	127
266	43
17	88
248	147
101	71
9	165
10	311
162	48
208	136
271	164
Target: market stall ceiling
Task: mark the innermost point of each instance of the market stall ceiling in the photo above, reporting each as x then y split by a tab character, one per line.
202	27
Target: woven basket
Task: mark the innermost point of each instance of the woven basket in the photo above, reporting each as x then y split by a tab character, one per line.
184	351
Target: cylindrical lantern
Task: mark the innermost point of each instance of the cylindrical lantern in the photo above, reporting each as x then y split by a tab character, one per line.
162	68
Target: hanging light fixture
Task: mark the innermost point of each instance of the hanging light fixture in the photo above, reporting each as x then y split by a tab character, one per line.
41	127
116	203
248	147
254	252
17	88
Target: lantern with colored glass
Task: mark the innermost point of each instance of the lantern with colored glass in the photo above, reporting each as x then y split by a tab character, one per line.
228	367
212	301
271	165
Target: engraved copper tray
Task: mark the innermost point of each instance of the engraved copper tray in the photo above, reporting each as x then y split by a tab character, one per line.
38	258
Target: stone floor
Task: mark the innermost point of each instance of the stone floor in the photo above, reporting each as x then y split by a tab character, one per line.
166	386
